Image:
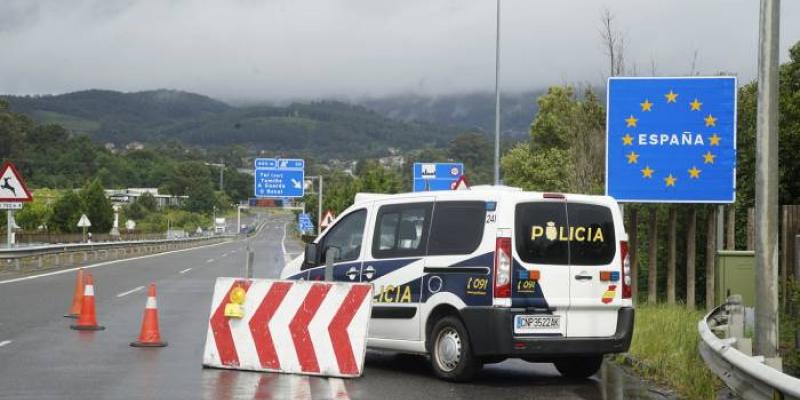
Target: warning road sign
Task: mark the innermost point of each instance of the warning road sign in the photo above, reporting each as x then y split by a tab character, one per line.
12	187
327	219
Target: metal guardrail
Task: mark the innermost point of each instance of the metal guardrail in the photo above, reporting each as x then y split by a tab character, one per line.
29	251
731	359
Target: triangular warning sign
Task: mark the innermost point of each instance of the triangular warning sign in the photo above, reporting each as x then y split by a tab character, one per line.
12	187
460	184
327	219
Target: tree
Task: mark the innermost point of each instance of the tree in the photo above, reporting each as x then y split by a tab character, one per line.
475	151
201	198
33	215
538	171
67	211
147	202
98	207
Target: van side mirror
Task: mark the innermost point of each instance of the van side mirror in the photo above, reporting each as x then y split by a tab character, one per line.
311	257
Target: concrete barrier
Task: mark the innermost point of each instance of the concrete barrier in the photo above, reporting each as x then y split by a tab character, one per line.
313	328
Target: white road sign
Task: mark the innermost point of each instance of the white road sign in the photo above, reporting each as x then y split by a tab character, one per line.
84	222
12	187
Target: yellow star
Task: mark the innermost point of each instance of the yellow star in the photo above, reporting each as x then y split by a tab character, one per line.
647	172
631	121
714	140
627	140
633	158
695	105
694	173
711	121
647	105
708	158
672	97
670	180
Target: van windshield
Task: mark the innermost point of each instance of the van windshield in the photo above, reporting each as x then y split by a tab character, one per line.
564	233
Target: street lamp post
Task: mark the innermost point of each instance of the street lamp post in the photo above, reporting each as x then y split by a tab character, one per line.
497	101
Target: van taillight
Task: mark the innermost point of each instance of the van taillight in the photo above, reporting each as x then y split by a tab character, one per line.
626	270
502	267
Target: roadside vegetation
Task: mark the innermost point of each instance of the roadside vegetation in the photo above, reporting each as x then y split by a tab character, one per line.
664	350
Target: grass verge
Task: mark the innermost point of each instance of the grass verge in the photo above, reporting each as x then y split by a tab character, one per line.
664	350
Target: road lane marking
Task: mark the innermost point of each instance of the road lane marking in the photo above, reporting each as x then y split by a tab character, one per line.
184	271
102	264
134	290
283	243
210	260
338	390
5	342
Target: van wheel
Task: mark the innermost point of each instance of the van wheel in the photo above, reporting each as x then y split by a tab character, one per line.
451	353
579	367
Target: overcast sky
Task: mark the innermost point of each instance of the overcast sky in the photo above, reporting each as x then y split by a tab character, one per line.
287	49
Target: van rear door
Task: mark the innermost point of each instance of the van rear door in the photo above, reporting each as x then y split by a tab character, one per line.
540	281
595	269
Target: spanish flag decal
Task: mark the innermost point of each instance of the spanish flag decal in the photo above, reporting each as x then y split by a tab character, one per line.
608	295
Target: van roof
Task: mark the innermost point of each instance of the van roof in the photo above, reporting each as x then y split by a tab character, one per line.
484	191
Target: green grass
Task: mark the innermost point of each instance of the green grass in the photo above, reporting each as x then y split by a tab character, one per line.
664	348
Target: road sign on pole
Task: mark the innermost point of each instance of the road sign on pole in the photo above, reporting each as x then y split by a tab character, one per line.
671	140
304	223
13	192
279	178
327	219
436	176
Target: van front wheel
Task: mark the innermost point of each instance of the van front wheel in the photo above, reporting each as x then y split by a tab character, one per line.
451	353
579	367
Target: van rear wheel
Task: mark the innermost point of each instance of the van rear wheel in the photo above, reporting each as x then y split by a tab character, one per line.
579	367
451	353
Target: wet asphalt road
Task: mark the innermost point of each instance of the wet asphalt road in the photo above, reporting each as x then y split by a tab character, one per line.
41	358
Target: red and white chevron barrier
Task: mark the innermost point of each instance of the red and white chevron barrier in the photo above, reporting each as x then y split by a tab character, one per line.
314	328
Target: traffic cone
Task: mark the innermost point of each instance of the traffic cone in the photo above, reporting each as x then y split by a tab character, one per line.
77	296
149	335
87	321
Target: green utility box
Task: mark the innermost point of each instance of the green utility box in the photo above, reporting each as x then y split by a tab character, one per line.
735	274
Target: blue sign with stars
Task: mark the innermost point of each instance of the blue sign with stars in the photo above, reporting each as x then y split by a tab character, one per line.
436	176
279	178
671	140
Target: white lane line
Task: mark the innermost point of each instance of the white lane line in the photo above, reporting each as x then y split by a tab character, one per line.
224	255
210	260
5	342
338	390
102	264
134	290
283	243
184	271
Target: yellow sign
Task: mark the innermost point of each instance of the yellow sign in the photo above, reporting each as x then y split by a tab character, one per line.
234	309
564	234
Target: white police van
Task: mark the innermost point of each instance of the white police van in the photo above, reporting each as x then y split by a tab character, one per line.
478	276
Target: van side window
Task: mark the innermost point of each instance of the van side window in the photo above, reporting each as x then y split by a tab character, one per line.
457	227
401	230
541	233
346	236
592	229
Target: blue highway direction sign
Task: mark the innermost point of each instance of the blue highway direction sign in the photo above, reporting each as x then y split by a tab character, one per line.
436	176
279	178
304	223
671	140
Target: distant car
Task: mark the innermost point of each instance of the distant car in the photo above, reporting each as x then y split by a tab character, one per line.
477	276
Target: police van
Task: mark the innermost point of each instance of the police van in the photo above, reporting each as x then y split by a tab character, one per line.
477	276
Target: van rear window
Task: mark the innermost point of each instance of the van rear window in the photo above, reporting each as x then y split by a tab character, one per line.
564	234
592	233
537	226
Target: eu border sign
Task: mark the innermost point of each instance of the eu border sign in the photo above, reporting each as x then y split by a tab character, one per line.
671	140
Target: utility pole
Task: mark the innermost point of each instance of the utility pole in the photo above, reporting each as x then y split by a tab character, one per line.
766	201
319	208
497	101
221	171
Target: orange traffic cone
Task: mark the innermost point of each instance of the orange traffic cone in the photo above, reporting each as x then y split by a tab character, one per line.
77	296
87	321
149	335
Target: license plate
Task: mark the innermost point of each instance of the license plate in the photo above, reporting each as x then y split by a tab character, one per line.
537	324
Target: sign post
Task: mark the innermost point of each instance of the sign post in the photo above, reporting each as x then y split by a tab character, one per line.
13	192
436	176
85	223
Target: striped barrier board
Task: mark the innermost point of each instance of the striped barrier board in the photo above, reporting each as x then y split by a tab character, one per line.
302	327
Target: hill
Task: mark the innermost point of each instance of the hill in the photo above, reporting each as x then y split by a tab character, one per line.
327	129
471	111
